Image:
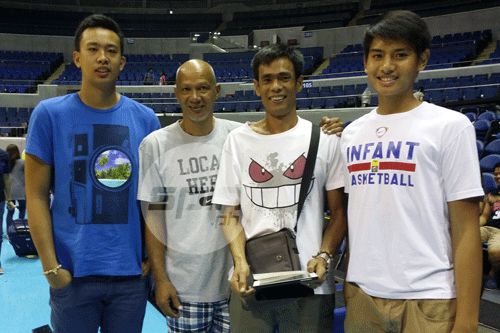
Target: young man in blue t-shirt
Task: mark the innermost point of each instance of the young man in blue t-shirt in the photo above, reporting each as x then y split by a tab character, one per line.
83	147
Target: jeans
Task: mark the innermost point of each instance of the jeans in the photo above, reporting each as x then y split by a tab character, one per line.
21	207
2	209
115	304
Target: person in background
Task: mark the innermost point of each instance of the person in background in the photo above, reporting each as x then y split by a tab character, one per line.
16	197
149	78
163	79
4	170
489	220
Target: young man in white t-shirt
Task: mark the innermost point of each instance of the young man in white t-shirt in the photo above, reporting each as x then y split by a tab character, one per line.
261	170
414	184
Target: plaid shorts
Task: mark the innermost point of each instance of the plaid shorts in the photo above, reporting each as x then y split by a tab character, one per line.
210	317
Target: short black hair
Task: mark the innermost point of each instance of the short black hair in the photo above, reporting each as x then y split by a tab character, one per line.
402	25
268	54
497	165
97	21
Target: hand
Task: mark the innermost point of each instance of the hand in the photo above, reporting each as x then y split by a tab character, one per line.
320	267
146	266
239	280
166	298
61	280
11	205
331	125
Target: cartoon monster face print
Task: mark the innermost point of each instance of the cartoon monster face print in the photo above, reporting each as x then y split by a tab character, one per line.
275	184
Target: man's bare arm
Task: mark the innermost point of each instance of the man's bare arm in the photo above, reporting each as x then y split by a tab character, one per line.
334	232
235	237
466	246
38	178
156	237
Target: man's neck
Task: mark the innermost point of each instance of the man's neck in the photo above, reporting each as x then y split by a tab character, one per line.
198	129
275	125
396	104
99	98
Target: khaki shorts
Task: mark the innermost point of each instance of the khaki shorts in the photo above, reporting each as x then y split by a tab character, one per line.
372	314
491	236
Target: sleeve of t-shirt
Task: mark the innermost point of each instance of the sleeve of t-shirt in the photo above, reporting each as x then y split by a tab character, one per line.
228	185
336	172
460	166
150	187
39	141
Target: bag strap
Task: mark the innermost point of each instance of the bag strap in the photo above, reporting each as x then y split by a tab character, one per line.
308	169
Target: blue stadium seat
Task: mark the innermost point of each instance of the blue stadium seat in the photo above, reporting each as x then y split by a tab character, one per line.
488	115
488	162
472	116
481	127
493	147
338	320
489	183
480	147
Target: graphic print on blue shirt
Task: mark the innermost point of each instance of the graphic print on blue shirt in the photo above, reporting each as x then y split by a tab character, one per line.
382	163
102	166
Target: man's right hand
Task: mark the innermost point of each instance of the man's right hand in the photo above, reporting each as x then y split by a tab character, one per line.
166	299
61	280
239	280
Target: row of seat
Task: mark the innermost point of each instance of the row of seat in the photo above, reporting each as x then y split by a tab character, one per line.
14	117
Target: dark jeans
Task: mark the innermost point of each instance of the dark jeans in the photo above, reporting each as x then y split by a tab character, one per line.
300	315
2	209
114	305
21	207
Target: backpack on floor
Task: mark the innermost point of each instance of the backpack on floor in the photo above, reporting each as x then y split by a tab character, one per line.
20	238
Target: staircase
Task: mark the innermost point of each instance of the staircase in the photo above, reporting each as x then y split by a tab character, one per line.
55	74
320	68
486	52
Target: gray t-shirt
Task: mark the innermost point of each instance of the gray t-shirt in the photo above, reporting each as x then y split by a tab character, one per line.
16	177
183	168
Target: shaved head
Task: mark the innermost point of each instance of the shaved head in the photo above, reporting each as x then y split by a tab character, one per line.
196	90
196	66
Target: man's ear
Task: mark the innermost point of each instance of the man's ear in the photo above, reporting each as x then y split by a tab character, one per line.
217	89
424	59
300	81
123	61
76	58
256	87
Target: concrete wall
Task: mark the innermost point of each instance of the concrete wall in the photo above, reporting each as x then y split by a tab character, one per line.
65	45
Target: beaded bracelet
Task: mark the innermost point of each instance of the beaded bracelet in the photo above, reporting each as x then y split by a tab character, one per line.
53	270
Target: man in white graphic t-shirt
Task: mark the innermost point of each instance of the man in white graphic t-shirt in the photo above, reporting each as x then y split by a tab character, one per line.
261	170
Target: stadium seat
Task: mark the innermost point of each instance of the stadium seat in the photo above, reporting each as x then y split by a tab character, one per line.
338	320
489	184
481	127
472	116
480	147
488	115
488	162
493	147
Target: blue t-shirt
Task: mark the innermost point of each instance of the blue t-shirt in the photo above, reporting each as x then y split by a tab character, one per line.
94	156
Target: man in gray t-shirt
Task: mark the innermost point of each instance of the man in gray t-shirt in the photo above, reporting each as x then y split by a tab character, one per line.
178	167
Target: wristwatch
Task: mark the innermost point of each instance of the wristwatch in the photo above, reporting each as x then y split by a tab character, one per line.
327	257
